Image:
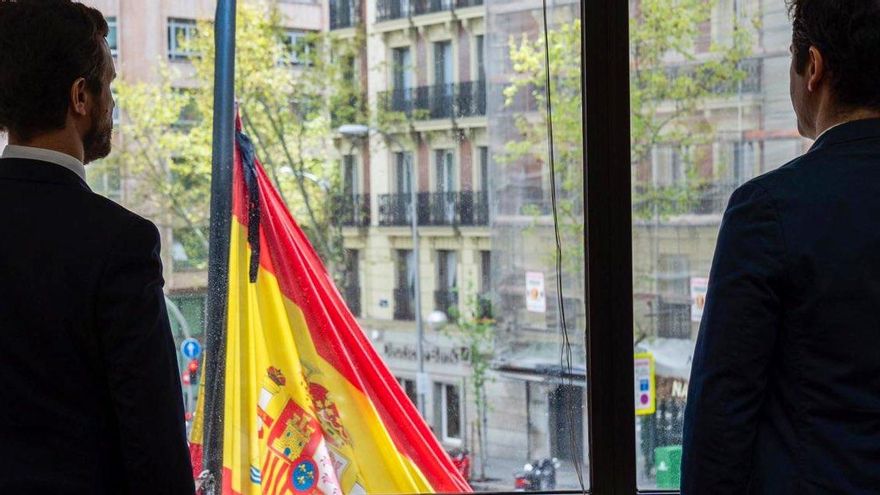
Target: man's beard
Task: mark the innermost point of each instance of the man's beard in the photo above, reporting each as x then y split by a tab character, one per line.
98	141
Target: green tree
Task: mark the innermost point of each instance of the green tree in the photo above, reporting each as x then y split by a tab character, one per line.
289	95
666	97
474	329
670	83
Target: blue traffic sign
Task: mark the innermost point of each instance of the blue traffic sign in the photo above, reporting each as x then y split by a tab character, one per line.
190	348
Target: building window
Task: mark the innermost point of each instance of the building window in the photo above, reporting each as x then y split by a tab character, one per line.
113	36
484	298
443	60
483	177
298	47
107	181
674	304
668	165
446	178
352	281
403	161
401	68
485	271
350	180
447	412
446	299
180	33
405	293
409	386
479	48
117	113
189	110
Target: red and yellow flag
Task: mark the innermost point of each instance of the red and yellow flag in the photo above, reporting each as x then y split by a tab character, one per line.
309	405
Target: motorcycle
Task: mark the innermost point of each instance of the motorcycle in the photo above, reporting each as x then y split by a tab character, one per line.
461	458
537	476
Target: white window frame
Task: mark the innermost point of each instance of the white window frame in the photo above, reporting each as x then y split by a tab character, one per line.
175	51
444	413
292	38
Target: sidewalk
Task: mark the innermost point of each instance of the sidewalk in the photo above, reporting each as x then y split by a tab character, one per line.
501	475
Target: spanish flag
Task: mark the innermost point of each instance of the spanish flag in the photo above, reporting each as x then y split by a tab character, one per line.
309	405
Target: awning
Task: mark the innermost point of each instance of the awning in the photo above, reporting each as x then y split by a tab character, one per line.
672	357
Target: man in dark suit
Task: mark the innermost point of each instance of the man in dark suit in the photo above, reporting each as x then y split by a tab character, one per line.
785	389
90	399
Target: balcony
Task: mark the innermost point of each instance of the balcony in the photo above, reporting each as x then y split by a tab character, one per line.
352	211
403	305
465	208
440	101
714	198
343	13
352	295
395	209
446	300
387	10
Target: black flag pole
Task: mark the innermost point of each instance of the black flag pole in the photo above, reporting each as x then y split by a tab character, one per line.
218	247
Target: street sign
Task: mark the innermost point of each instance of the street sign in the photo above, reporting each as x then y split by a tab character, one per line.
190	348
645	388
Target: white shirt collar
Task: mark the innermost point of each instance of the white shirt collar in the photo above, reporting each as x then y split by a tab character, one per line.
44	155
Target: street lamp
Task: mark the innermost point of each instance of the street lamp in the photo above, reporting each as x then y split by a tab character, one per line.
360	131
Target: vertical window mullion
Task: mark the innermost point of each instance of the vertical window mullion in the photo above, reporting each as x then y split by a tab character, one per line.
605	85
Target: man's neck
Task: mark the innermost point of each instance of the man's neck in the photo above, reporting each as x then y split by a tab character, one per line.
54	141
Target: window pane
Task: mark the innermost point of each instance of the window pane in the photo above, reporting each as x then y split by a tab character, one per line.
710	110
457	142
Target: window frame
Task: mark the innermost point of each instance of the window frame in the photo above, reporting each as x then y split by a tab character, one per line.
175	52
293	39
608	217
113	27
443	420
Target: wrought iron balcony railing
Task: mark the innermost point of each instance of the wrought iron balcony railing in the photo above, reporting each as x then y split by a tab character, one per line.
395	209
404	303
387	10
465	208
352	211
343	13
440	101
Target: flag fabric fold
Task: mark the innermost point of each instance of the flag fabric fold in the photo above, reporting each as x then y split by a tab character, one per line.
309	406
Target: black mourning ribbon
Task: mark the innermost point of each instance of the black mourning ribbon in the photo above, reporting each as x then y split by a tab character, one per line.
248	161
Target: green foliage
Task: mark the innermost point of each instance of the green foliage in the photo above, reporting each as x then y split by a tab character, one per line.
474	329
288	110
529	83
670	84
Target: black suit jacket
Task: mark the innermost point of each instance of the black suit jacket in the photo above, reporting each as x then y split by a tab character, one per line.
90	399
785	389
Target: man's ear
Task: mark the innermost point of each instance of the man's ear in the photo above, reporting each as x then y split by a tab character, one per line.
79	97
816	70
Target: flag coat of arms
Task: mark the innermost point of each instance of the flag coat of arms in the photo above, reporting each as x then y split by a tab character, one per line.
309	405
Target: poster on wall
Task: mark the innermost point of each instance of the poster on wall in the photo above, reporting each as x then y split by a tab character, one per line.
699	286
645	385
536	299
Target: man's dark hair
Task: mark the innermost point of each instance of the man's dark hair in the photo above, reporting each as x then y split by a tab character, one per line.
46	45
847	34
